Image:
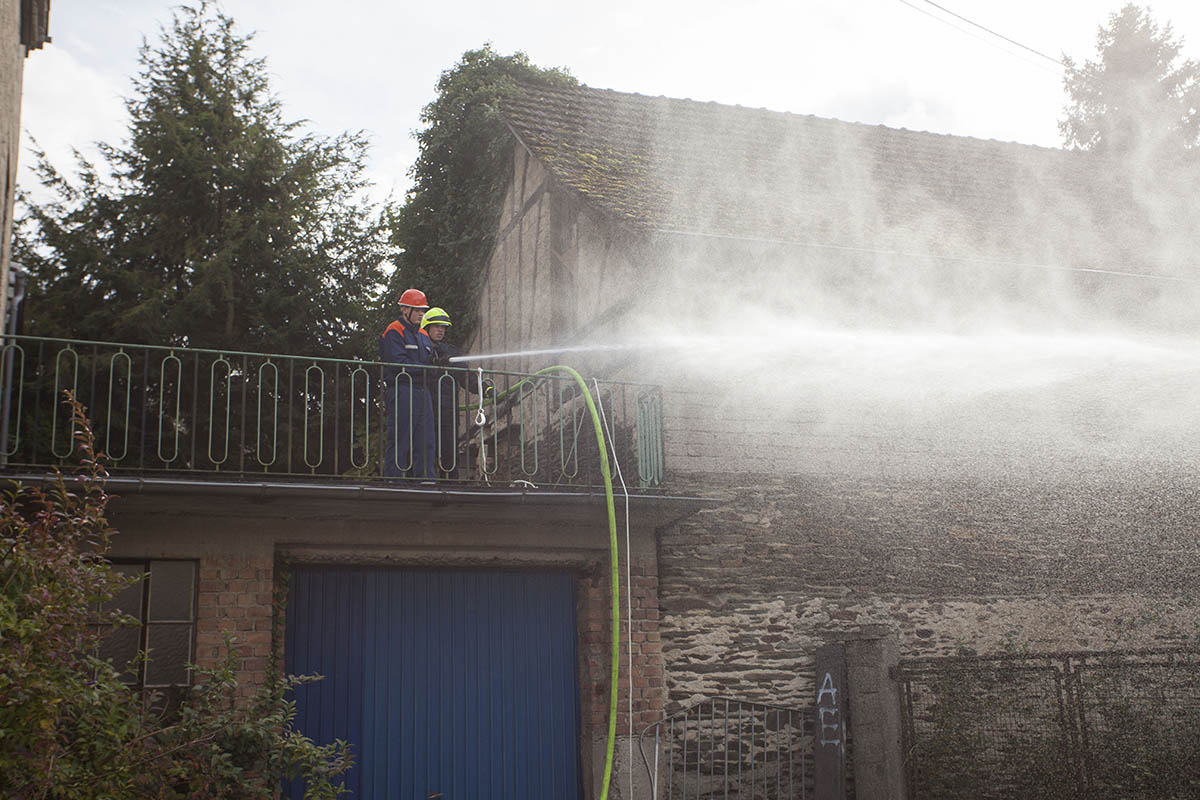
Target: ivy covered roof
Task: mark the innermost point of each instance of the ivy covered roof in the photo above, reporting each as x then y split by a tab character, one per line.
659	163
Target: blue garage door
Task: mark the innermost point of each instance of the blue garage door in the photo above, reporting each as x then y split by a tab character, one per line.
448	683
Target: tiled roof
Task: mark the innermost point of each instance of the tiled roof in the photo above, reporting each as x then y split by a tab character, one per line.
658	163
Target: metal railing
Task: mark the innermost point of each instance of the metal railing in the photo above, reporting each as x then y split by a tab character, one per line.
211	412
725	748
1055	725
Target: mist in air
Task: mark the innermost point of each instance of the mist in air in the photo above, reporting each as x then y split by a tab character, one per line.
986	308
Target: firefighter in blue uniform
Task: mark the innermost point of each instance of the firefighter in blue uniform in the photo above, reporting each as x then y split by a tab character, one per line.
408	449
443	388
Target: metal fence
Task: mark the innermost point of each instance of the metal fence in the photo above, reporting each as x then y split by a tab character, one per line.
1116	724
183	410
723	748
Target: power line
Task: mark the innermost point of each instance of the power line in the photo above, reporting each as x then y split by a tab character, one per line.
998	35
1074	70
975	36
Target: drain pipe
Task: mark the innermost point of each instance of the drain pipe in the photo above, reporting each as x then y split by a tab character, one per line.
18	277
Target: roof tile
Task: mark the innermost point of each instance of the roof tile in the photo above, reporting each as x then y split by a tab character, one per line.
665	164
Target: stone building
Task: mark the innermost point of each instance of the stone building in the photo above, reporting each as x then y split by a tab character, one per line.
933	383
856	379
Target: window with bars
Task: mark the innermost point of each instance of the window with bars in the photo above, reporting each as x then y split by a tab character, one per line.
164	603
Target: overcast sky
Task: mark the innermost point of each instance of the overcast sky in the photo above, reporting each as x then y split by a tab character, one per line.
372	64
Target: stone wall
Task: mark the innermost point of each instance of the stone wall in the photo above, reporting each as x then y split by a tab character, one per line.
751	588
1052	507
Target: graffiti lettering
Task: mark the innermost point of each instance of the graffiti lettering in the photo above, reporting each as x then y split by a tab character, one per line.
829	718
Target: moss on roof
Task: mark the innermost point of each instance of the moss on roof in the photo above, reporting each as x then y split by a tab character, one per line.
660	163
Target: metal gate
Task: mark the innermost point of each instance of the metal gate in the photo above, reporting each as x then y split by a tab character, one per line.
1061	726
452	684
725	748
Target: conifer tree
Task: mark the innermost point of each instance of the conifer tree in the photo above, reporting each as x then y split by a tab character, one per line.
1138	98
217	224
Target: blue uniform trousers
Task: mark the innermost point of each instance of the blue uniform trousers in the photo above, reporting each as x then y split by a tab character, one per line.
408	449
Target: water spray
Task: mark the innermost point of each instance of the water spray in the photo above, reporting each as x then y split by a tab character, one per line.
582	348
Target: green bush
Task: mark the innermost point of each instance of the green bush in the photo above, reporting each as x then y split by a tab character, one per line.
69	727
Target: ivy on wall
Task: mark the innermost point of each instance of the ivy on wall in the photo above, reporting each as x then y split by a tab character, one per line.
448	223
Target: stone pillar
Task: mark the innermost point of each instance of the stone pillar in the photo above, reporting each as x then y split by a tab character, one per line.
875	720
829	740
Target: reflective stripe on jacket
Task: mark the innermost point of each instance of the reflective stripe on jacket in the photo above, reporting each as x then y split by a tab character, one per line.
403	344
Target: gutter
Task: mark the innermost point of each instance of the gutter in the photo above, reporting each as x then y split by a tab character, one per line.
272	489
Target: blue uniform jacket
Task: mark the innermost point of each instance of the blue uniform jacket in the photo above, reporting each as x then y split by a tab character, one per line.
407	346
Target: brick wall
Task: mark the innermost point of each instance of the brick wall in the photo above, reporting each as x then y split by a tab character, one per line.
236	597
595	625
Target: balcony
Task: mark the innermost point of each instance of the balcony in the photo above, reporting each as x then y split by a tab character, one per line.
209	415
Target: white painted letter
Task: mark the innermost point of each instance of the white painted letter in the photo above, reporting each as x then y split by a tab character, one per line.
827	688
829	730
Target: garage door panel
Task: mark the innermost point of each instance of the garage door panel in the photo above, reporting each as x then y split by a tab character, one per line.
454	681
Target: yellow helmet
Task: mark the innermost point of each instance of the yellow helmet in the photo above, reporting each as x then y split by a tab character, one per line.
435	316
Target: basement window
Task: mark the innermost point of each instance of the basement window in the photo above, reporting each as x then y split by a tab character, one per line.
164	603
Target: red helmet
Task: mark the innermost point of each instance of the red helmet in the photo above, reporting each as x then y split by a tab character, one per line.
414	298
